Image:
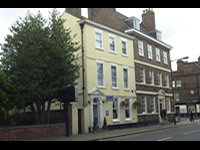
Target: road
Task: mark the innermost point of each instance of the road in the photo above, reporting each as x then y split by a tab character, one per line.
184	133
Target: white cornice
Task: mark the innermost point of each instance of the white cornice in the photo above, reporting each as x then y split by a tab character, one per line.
148	37
153	66
106	28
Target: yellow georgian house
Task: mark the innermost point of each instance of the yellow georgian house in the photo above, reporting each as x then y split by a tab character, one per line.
107	82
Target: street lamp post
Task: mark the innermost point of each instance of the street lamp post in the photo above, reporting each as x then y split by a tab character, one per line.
183	58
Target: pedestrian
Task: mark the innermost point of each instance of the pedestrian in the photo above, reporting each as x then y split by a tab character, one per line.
191	117
175	119
164	114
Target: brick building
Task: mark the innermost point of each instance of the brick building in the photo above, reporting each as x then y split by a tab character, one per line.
186	82
151	57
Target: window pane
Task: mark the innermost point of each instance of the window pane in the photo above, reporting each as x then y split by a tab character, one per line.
98	40
140	48
142	75
124	48
149	52
144	104
115	108
114	76
157	54
112	43
100	75
125	72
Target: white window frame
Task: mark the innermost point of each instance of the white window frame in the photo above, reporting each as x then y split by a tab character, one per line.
173	83
168	105
140	48
178	83
114	39
165	58
102	63
116	66
151	76
145	105
101	40
159	76
136	23
150	54
157	54
153	101
129	109
143	75
118	110
158	35
177	96
127	68
125	41
167	80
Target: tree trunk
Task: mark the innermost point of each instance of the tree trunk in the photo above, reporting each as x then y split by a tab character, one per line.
48	111
37	120
42	116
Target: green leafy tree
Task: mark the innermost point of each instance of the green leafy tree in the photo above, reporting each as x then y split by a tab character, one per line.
39	57
5	96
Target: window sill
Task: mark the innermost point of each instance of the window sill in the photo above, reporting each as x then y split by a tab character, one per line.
115	120
115	88
100	48
102	87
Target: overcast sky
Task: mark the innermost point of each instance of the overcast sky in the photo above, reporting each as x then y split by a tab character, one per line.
180	27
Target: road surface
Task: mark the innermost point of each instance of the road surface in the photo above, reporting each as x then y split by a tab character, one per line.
184	133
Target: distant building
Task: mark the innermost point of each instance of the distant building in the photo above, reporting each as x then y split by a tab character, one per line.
186	86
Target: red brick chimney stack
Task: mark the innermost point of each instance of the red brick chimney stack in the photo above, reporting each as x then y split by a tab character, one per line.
148	19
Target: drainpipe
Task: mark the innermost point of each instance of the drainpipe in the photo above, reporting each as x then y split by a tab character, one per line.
83	66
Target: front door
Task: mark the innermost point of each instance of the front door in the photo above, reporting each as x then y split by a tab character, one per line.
96	113
96	109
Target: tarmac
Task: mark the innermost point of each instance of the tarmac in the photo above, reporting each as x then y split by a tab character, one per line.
106	134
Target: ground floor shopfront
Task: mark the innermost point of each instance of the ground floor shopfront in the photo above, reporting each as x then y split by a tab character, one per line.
184	108
156	107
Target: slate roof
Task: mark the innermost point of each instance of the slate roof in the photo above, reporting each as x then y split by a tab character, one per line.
142	28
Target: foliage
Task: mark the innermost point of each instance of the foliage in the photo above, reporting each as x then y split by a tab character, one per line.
137	103
5	88
39	58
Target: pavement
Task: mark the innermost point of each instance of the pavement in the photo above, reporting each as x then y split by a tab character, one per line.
106	134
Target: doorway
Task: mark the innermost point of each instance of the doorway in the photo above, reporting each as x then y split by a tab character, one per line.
96	113
80	112
96	109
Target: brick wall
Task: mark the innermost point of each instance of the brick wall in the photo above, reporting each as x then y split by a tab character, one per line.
31	132
145	57
189	75
107	17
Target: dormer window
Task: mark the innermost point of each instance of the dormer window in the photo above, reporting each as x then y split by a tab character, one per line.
136	23
133	22
158	35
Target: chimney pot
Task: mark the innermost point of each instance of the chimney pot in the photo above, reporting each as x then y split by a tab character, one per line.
148	19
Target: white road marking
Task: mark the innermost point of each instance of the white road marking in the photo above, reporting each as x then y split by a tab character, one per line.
164	139
190	132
